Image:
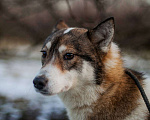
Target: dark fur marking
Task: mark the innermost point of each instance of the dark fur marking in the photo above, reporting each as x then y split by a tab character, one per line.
77	46
86	57
53	47
98	75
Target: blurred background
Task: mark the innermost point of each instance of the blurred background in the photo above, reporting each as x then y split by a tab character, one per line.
25	24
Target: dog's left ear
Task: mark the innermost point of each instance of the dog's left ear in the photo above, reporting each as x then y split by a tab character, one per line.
102	35
59	25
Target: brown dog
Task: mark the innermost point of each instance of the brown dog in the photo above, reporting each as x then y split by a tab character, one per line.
85	69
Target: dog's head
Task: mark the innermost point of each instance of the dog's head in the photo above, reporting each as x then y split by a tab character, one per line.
72	57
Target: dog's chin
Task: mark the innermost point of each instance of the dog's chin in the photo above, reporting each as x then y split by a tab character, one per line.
44	92
47	93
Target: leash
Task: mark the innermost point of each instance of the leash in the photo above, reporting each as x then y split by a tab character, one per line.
128	72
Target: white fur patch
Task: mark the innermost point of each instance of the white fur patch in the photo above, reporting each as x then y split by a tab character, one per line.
113	61
87	72
79	114
115	49
68	30
104	49
48	45
62	48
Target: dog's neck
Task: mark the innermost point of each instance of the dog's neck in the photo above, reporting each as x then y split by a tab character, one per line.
78	101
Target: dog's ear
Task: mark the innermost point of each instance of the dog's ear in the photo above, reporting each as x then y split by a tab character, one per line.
60	25
102	35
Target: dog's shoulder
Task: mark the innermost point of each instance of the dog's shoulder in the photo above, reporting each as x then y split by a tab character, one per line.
141	111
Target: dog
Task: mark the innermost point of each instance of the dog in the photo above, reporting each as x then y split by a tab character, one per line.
84	68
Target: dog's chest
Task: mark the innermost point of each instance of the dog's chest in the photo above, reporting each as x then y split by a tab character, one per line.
79	114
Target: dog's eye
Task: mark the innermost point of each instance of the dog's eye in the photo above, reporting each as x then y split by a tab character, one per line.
68	56
44	54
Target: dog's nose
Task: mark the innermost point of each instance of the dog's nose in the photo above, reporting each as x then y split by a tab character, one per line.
39	82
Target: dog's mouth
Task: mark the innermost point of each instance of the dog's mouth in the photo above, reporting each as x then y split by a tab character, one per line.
48	93
44	92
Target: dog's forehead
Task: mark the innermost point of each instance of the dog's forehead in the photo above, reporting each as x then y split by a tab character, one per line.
64	36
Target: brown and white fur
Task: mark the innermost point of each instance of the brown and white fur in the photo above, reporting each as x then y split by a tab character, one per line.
85	69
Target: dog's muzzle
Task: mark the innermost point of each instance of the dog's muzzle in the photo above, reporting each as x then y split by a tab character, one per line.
40	82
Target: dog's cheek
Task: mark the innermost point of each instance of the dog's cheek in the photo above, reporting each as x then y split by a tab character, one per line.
60	82
68	80
87	72
73	77
54	87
